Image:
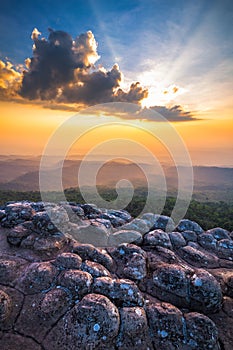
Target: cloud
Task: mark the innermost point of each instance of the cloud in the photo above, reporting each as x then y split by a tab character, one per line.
63	70
10	81
62	74
136	112
174	114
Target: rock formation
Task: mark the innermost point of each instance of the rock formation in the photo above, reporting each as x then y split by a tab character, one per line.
80	277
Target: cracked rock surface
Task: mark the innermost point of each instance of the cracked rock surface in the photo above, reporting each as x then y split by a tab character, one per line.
92	278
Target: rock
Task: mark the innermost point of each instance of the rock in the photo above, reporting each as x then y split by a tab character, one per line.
139	225
207	241
156	221
122	214
228	279
157	238
166	325
11	302
91	211
95	269
78	282
121	291
198	258
46	244
37	277
189	236
104	222
2	214
201	332
171	284
228	306
131	261
16	235
42	223
10	269
188	225
94	322
133	329
89	252
57	293
5	306
124	236
225	249
177	240
205	292
47	308
219	233
9	341
68	261
198	291
92	234
164	223
17	213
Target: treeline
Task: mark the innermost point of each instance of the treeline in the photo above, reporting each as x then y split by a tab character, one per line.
207	214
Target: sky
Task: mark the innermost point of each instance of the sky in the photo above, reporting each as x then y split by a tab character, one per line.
169	57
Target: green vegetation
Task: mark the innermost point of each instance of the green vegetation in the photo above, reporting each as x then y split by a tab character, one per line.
208	214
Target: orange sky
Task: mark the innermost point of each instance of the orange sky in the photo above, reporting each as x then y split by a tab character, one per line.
25	129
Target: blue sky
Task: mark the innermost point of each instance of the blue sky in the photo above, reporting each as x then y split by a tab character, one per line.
162	44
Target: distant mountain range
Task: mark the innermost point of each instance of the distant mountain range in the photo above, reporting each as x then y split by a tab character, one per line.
22	174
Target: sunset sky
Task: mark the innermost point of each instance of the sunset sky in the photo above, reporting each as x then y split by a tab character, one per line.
172	57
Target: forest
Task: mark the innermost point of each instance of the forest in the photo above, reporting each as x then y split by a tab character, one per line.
208	214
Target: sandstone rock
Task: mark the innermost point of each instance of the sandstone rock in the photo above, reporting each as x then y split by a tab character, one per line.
121	291
10	269
16	235
78	282
139	225
189	236
68	261
89	252
11	302
66	295
5	306
198	258
156	221
225	249
157	238
205	292
92	323
121	214
124	236
95	269
46	308
133	329
17	213
207	241
189	225
92	234
166	325
177	240
91	211
172	283
37	277
219	233
131	261
10	341
2	214
201	332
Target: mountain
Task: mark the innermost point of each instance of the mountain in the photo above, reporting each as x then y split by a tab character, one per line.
22	174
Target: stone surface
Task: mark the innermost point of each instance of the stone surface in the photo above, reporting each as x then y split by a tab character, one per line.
167	290
188	225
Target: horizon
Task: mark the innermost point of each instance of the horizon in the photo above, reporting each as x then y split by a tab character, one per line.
182	73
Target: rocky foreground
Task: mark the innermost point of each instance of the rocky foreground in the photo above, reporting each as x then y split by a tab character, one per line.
98	279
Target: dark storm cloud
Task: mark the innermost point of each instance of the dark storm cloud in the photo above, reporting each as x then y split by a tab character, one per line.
62	70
